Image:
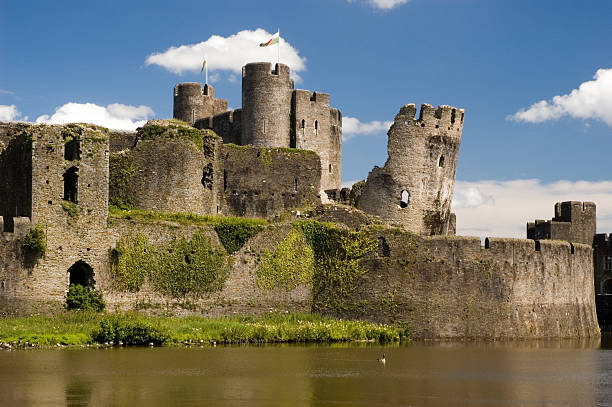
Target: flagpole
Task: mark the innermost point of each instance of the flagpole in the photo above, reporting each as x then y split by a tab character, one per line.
278	46
206	59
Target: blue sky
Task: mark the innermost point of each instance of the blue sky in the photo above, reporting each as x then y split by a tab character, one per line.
493	58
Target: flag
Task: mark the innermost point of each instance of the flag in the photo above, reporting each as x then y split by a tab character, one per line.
203	66
271	41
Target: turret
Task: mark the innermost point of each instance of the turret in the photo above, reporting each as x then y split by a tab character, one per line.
415	188
266	105
193	102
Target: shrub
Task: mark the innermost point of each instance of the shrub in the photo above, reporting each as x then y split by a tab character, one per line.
82	298
128	329
36	241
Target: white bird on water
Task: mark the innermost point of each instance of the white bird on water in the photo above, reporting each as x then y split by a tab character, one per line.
382	360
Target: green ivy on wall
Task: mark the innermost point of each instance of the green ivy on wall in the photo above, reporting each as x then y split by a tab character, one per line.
191	267
185	267
133	258
289	265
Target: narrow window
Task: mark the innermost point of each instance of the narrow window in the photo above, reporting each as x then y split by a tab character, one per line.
71	183
224	180
72	150
608	263
264	127
330	168
316	127
303	123
441	161
295	185
405	199
453	116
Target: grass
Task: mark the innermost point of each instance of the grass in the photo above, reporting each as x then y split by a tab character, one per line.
76	328
178	217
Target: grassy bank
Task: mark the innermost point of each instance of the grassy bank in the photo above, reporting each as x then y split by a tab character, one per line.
81	328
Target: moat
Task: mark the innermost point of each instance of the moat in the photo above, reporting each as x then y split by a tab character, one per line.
423	373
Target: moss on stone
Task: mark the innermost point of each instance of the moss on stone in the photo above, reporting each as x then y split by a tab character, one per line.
155	130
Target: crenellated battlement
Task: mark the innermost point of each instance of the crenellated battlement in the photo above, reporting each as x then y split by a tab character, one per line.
263	70
444	117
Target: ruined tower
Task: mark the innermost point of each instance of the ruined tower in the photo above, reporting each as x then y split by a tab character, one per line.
414	189
193	102
266	105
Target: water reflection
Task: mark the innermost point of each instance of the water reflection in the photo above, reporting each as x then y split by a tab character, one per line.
519	373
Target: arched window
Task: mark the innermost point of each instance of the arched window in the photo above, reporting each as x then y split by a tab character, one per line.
441	161
405	199
606	287
71	184
316	127
81	273
303	123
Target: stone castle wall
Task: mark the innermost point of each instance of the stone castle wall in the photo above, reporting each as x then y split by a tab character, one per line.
451	287
441	287
167	173
415	188
75	230
264	182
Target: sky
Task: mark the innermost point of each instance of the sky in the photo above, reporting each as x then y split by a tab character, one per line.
534	77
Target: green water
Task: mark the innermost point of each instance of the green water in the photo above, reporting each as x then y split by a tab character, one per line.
419	374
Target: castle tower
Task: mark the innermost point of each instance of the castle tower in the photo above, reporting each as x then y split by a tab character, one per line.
415	188
266	105
193	102
317	127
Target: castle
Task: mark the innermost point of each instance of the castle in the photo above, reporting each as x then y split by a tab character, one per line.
390	254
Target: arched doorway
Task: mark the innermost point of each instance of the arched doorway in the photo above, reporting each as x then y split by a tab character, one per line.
81	273
606	287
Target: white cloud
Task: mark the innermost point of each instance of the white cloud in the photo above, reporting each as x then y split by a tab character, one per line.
113	116
9	113
384	4
503	208
352	127
6	92
228	53
592	100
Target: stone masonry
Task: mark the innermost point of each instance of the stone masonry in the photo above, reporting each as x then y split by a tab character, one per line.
415	187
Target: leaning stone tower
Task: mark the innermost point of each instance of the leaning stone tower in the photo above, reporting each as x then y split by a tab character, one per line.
414	190
266	105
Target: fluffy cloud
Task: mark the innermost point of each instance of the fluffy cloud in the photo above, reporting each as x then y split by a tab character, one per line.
384	4
9	113
113	116
592	100
228	53
352	127
503	208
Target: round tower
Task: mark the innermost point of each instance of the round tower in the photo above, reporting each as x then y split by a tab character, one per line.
193	102
266	105
415	188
